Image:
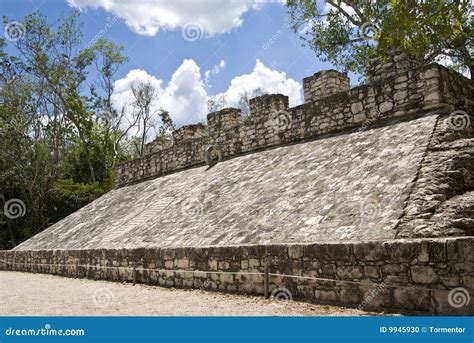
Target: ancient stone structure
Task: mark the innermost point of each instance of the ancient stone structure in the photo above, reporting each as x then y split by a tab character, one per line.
360	196
397	274
323	84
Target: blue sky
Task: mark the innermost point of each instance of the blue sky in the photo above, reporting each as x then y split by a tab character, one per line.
231	36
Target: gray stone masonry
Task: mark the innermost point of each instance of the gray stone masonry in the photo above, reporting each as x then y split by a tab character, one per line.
435	275
395	63
405	94
189	132
323	84
262	107
160	143
223	120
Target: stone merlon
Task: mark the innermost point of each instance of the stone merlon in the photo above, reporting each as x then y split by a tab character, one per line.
263	106
323	84
224	119
189	132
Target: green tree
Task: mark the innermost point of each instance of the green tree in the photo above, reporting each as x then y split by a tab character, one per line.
63	134
347	33
432	30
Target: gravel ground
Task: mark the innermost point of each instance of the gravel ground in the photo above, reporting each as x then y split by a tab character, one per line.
24	294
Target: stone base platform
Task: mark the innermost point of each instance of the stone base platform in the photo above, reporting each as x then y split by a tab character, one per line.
431	275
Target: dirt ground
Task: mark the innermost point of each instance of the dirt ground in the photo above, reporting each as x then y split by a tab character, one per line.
24	294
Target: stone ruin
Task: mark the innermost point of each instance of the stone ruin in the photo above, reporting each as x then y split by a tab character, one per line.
360	196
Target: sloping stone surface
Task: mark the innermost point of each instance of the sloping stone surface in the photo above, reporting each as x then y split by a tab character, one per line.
349	187
441	203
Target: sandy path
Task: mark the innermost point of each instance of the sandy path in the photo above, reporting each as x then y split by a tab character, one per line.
48	295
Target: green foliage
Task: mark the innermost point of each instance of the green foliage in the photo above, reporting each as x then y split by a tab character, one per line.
331	29
69	196
56	155
347	33
430	30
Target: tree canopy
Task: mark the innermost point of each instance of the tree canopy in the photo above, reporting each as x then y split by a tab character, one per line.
347	33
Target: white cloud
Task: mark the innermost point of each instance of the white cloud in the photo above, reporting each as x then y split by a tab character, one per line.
213	72
147	17
269	80
185	96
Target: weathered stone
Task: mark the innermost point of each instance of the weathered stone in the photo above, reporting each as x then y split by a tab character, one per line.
326	296
350	272
351	295
371	272
183	263
296	251
411	299
254	263
423	274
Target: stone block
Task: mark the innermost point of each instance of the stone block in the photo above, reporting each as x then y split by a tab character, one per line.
350	272
296	251
181	263
213	264
375	296
412	299
262	107
189	132
423	274
369	251
371	272
254	263
326	296
350	295
226	278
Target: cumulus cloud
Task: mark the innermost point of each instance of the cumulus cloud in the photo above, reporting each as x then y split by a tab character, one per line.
185	96
266	79
147	17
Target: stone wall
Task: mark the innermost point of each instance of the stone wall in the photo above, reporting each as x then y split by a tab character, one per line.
434	275
272	123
